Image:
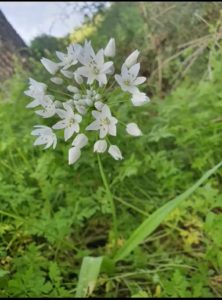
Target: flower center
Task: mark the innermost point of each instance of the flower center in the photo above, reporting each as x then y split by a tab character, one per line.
127	82
104	122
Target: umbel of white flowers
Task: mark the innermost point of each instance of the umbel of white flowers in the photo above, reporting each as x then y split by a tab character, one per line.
83	79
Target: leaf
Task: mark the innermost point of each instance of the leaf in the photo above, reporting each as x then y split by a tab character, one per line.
153	221
88	275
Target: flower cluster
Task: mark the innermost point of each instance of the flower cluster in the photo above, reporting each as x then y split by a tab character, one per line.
82	76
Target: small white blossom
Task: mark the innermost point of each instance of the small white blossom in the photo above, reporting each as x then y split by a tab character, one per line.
70	58
110	49
115	152
95	69
132	59
48	105
104	122
80	140
78	78
50	66
44	135
74	155
36	90
139	99
133	129
72	89
100	146
70	121
128	79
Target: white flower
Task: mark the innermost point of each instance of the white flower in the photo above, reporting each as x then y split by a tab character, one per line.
74	155
36	90
50	66
128	79
69	59
49	108
44	135
57	80
70	121
95	68
110	49
100	146
133	129
139	99
104	122
115	152
80	141
132	59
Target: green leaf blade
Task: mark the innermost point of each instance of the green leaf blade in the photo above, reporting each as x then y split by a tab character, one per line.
153	221
89	272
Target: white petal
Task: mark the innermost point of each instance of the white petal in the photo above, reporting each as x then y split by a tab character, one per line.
133	129
112	129
80	141
50	66
93	126
100	146
139	80
103	131
134	70
115	152
132	58
32	104
98	105
60	125
110	49
68	132
74	155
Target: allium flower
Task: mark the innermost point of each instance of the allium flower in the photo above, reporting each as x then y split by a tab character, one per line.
36	91
44	135
139	99
95	68
128	79
49	108
70	121
110	49
133	129
84	104
115	152
100	146
104	122
74	155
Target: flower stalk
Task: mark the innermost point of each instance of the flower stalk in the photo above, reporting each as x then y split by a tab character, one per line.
110	196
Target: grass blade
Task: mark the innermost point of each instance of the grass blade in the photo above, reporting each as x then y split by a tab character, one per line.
154	220
88	276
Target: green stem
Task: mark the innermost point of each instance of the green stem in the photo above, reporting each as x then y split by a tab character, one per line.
105	182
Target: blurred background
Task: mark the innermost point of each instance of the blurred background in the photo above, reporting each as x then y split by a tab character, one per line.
52	215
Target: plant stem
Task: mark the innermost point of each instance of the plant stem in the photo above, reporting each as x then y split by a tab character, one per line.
105	182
